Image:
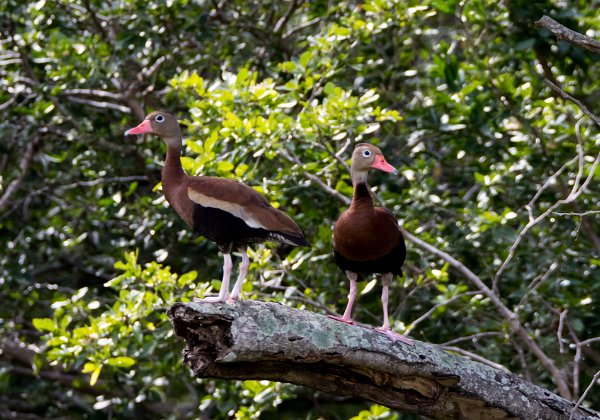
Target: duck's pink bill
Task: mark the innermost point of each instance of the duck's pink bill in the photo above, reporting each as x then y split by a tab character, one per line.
143	128
381	164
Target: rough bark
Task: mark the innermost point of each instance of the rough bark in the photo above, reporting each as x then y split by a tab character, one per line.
270	341
562	32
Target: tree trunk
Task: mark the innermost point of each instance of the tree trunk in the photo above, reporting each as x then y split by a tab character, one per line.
270	341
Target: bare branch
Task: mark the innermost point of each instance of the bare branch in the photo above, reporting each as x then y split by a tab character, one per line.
575	192
535	283
24	164
515	324
473	337
334	193
281	23
147	72
108	180
580	400
301	26
434	308
100	105
577	102
8	103
93	92
589	341
10	61
561	324
569	35
582	214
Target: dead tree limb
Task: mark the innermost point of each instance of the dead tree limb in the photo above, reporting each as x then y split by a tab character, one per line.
577	102
569	35
270	341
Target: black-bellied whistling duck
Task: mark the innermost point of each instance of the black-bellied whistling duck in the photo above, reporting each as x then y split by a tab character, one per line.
367	239
227	212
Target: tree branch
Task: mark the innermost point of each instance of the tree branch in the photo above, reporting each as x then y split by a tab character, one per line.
515	324
270	341
562	32
580	400
577	102
24	165
281	23
100	105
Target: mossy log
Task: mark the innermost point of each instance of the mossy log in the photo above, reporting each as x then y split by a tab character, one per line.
270	341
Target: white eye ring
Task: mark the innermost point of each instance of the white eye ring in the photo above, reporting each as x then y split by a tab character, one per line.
159	118
366	153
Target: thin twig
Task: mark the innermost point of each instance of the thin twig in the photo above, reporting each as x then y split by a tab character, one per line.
580	400
577	102
101	105
515	324
146	73
300	27
108	180
535	283
579	348
573	195
472	337
582	214
8	103
334	193
589	341
93	92
561	324
281	23
24	164
434	308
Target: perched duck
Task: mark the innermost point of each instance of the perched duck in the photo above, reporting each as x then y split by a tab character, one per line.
227	212
367	239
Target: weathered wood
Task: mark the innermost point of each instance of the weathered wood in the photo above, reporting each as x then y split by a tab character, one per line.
562	32
270	341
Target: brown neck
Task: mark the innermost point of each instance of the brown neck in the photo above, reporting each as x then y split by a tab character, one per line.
172	171
362	196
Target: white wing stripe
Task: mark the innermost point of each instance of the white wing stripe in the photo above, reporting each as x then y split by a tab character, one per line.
232	208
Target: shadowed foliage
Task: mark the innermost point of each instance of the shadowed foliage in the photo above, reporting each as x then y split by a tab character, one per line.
497	188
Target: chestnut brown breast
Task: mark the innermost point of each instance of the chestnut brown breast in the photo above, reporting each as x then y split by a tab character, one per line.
367	238
363	235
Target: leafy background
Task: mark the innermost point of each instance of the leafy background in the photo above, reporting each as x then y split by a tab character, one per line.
276	94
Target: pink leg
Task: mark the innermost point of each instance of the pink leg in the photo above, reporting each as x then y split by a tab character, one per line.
347	317
244	266
224	292
385	328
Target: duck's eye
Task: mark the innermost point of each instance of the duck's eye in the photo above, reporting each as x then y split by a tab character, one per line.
366	153
159	118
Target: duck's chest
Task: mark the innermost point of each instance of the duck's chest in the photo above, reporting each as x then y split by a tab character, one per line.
365	235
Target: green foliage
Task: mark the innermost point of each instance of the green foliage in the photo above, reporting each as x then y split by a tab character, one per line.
276	94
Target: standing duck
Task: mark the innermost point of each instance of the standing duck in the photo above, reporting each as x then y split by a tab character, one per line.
367	239
227	212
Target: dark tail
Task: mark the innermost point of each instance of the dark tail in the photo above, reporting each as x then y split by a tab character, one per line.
298	240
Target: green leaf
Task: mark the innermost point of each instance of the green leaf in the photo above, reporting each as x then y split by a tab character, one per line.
305	58
187	278
43	324
89	367
95	375
121	361
224	166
